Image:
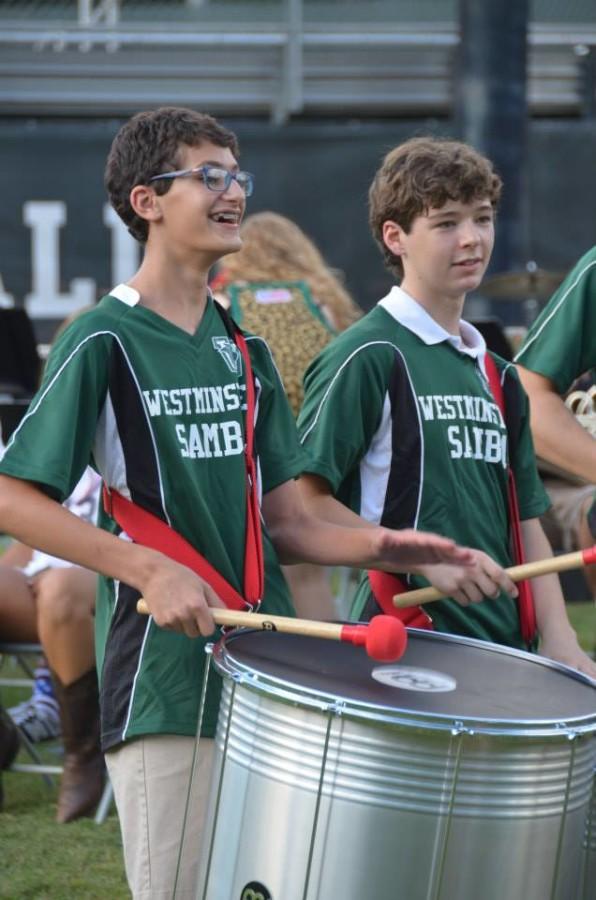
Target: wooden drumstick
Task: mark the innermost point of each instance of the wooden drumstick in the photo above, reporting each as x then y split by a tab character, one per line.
516	573
384	637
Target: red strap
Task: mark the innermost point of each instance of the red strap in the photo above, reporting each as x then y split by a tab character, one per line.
525	599
254	564
147	529
219	281
384	586
150	531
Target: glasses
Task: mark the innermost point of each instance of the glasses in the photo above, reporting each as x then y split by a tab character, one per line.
213	177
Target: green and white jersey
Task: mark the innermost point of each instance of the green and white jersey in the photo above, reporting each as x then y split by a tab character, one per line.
160	414
399	419
561	344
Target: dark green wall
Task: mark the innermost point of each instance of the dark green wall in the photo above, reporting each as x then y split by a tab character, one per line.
315	172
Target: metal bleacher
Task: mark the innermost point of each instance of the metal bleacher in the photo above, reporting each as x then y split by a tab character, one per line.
276	58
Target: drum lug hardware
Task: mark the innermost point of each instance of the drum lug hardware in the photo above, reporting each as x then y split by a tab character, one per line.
569	733
337	708
460	728
208	649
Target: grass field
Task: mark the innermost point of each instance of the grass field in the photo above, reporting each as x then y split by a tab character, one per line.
583	619
40	860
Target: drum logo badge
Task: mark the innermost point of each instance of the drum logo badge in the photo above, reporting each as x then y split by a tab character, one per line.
412	679
254	890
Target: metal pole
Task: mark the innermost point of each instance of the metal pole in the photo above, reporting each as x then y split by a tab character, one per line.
491	110
291	94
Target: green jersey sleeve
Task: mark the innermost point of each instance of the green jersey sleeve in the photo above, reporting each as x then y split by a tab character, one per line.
54	441
344	392
561	344
281	457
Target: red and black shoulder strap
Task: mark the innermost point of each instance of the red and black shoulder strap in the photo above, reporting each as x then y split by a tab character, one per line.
146	528
507	398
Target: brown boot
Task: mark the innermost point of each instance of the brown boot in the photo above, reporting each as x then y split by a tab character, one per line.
82	780
9	745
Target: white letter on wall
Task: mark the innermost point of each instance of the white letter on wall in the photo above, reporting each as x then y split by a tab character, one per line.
45	218
125	250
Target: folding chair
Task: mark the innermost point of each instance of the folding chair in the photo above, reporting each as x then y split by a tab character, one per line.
20	653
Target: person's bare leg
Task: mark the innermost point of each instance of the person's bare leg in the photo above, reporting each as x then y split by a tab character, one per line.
18	617
16	555
311	591
65	603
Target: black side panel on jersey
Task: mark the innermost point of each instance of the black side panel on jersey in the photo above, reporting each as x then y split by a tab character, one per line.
513	412
142	473
403	487
123	650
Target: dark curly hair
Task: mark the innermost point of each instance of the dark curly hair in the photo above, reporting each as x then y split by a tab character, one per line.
426	172
148	144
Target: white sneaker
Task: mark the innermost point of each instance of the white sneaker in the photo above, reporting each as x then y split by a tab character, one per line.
38	718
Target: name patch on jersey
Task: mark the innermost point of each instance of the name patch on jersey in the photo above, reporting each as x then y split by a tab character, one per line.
468	441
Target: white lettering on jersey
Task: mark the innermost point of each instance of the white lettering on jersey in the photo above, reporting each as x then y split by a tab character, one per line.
234	442
474	409
211	440
486	444
195	401
203	441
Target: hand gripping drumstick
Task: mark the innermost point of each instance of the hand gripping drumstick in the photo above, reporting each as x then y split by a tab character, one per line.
516	573
384	638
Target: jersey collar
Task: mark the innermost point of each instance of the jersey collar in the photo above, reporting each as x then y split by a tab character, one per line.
405	310
126	294
131	296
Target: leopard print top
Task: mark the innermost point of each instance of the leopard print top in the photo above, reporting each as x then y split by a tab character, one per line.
284	314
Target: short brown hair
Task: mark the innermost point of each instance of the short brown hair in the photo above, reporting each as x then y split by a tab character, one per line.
426	172
148	144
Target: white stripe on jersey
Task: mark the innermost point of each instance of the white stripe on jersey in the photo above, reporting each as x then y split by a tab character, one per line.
555	309
375	468
384	443
136	676
336	376
108	450
53	381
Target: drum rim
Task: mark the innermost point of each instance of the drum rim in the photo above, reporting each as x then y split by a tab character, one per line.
288	692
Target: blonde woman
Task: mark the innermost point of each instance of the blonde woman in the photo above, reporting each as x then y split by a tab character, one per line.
280	287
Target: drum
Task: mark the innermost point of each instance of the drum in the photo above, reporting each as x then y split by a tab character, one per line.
464	770
589	862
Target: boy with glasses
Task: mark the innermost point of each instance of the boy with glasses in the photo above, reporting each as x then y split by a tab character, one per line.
424	444
160	391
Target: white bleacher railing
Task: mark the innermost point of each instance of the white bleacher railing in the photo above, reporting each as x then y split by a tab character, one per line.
111	57
104	11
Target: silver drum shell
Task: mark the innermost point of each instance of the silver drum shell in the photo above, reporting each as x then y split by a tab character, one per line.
322	800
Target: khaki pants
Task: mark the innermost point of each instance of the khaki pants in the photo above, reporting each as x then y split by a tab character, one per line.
151	777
